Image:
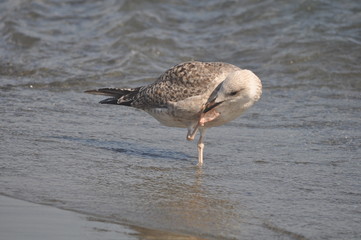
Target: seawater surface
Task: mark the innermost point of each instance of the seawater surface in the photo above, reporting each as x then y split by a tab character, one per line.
288	169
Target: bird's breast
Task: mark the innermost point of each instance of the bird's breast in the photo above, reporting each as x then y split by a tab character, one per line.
171	118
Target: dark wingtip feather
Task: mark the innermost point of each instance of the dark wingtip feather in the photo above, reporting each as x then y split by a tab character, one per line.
120	96
109	101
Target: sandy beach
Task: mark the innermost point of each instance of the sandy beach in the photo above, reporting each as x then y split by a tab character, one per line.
24	220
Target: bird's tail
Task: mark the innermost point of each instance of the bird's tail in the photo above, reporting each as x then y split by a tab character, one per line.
119	96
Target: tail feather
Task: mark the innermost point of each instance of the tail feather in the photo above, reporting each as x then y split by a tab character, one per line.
119	96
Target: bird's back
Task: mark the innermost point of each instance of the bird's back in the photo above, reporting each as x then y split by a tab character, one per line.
180	82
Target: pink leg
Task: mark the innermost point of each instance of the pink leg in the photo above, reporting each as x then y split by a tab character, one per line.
191	134
200	146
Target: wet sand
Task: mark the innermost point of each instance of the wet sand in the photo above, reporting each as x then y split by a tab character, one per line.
21	220
24	220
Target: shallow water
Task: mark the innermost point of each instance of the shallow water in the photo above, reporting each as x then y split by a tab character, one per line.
288	169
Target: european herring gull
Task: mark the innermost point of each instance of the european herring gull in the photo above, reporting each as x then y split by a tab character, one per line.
193	95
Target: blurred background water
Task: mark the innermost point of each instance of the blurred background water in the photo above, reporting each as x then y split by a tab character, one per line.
288	169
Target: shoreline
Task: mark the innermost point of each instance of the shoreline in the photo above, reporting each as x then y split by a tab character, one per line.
20	219
23	220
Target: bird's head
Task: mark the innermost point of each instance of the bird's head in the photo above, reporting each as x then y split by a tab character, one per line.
240	87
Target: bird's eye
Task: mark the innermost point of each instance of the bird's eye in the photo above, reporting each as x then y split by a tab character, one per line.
233	93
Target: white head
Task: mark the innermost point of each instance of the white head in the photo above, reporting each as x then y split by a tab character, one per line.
241	87
242	84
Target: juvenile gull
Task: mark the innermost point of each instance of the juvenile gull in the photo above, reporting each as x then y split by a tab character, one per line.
192	95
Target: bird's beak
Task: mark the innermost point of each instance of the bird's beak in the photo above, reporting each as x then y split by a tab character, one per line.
211	103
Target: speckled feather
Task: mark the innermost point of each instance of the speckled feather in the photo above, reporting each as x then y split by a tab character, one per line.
178	83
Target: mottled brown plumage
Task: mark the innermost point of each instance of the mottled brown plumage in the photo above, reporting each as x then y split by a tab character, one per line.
180	82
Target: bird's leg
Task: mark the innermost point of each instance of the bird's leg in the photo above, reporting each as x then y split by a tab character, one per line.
200	146
191	134
204	118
